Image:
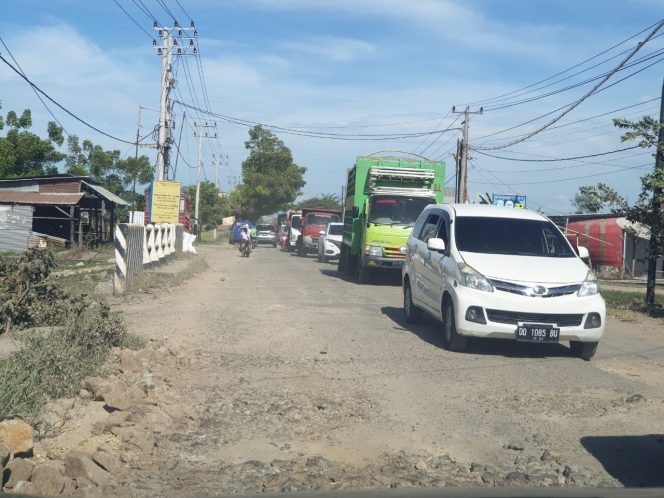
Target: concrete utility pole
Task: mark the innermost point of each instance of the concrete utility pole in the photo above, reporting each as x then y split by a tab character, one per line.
656	208
463	163
138	138
201	135
175	41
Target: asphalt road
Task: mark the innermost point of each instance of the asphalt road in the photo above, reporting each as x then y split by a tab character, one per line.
279	330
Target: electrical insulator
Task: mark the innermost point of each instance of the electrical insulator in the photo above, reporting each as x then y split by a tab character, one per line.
191	42
195	51
179	32
159	50
155	25
179	51
161	33
175	41
192	24
195	34
154	43
176	24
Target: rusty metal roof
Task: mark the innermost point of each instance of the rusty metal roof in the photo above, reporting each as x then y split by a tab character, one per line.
106	194
19	197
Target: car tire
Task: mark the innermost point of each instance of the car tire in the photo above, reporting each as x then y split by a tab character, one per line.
412	313
583	350
323	259
452	341
319	258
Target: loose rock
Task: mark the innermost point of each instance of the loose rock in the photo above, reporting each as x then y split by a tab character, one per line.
16	435
19	469
108	462
48	480
79	465
4	455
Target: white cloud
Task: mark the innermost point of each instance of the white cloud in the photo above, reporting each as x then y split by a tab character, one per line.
329	47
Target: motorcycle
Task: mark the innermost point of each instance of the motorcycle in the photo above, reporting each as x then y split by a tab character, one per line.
245	248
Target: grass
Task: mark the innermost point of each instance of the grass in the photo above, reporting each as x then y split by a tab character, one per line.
51	364
207	237
129	340
624	299
151	280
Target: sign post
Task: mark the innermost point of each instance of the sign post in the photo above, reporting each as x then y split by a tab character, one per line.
165	202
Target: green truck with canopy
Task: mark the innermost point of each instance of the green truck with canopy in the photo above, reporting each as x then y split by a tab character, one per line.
384	197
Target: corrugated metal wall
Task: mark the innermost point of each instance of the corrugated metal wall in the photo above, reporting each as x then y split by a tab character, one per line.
15	227
21	188
66	187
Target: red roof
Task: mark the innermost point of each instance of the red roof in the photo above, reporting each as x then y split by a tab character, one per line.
31	198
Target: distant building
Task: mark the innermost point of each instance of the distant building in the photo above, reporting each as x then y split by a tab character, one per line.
55	209
615	244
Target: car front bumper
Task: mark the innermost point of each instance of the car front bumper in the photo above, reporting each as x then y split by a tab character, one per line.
569	313
331	250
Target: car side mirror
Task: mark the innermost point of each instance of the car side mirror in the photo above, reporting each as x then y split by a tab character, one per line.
584	254
322	232
356	212
437	245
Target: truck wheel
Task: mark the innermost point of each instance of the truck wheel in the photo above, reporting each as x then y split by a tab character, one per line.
584	350
300	251
363	273
342	263
452	341
411	312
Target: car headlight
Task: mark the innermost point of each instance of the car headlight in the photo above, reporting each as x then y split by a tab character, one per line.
473	279
590	285
373	250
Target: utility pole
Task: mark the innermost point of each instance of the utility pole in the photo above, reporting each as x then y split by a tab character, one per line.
138	138
174	42
657	229
201	135
463	163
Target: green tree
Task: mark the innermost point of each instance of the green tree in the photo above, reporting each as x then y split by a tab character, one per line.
213	207
325	201
271	181
22	153
597	198
646	211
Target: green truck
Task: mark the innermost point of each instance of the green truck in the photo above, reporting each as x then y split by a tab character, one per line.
384	197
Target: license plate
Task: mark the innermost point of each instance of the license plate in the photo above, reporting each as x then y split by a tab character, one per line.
531	332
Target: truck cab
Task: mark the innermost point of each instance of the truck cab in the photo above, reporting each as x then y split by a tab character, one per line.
313	222
384	197
294	218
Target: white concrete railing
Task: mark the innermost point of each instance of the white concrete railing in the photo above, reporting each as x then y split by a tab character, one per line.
137	246
158	242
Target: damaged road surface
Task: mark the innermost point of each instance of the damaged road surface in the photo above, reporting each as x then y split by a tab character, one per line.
274	374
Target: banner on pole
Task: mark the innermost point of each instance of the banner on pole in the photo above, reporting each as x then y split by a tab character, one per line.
513	201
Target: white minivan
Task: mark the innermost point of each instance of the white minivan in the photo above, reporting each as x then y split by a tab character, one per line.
499	272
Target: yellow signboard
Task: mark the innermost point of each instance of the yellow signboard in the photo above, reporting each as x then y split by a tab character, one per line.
165	202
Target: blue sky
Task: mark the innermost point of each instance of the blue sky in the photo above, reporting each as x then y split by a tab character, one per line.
351	64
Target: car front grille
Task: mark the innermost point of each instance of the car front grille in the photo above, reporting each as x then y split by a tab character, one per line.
514	317
525	290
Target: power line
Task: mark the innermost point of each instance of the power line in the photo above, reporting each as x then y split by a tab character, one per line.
143	8
640	166
182	9
309	133
586	95
580	163
36	92
167	10
62	107
557	159
579	64
571	122
132	19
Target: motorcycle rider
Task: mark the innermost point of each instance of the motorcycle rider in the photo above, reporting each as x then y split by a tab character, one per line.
246	236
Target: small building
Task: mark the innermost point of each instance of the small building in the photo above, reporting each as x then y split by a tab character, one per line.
55	210
615	245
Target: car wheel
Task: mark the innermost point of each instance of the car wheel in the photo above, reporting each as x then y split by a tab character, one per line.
324	259
319	257
584	350
452	341
411	312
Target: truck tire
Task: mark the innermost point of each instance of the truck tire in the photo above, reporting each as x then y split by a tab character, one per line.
342	263
301	251
363	273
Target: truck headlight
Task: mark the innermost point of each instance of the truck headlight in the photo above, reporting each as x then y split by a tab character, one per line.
307	240
590	285
373	251
473	279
